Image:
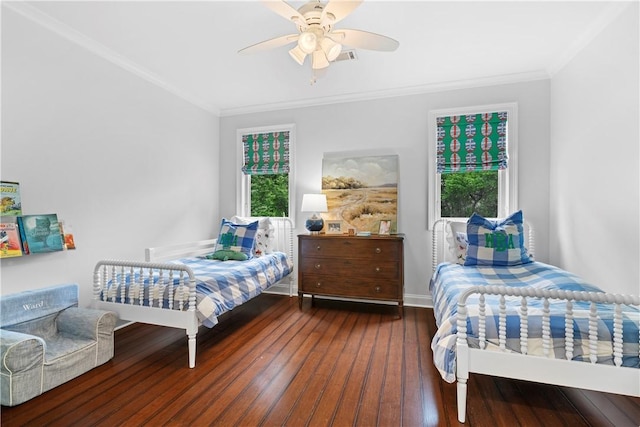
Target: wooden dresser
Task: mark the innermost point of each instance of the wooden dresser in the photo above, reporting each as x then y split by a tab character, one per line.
369	268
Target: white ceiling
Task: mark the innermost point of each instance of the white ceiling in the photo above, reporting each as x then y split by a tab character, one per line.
190	48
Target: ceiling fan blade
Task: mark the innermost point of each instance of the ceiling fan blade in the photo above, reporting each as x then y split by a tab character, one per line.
364	40
285	10
337	10
270	44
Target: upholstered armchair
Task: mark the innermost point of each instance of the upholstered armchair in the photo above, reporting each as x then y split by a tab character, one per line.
47	340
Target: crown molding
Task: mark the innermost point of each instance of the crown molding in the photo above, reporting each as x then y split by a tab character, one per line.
390	93
613	10
39	17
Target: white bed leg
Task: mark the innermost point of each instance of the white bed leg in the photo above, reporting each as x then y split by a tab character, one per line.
462	399
192	351
192	331
462	373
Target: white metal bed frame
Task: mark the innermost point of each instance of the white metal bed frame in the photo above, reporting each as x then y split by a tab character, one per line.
182	311
563	372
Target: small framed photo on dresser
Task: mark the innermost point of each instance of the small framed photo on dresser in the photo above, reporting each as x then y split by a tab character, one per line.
334	227
385	227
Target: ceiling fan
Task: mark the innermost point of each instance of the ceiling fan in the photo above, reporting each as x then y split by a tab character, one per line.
317	36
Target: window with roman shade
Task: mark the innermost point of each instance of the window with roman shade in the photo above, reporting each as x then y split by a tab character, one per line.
472	142
473	161
266	153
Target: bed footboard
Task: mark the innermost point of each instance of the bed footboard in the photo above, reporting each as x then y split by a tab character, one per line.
611	378
148	292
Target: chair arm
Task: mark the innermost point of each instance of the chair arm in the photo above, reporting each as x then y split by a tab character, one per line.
86	322
20	352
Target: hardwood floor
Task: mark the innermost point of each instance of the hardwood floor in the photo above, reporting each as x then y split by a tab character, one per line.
270	364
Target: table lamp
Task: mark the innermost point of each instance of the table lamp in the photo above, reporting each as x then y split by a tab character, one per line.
314	203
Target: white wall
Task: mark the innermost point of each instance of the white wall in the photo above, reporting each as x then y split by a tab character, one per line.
129	165
399	126
125	163
595	140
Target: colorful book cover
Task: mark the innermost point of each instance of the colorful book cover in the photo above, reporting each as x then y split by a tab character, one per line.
10	242
42	233
10	199
67	235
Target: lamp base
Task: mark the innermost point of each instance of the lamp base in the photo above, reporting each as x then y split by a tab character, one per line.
314	225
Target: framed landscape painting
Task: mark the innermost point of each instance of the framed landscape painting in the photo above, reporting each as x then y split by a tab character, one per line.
361	191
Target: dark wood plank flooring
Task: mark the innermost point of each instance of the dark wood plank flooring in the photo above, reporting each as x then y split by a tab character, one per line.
270	364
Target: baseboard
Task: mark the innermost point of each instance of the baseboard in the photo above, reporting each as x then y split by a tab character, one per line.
410	300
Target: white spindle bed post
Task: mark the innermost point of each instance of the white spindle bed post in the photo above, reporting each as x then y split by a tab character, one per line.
546	328
617	335
192	328
593	333
524	326
462	362
568	330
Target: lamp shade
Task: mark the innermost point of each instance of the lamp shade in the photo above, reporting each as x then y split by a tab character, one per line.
298	54
319	60
330	48
314	203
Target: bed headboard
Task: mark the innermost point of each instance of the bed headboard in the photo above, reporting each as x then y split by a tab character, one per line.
439	244
283	241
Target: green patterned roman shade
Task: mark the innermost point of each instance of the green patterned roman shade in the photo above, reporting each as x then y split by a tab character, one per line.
266	153
473	142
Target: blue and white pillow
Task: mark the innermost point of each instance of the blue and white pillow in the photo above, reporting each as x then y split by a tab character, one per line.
496	242
237	237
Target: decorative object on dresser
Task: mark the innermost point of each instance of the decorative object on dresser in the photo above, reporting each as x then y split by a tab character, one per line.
370	268
334	226
314	203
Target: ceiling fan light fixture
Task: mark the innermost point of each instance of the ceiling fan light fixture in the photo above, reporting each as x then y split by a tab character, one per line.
319	60
298	54
308	41
331	49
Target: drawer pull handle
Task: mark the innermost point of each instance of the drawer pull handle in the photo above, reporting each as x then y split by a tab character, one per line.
318	247
317	266
378	289
318	285
378	250
377	269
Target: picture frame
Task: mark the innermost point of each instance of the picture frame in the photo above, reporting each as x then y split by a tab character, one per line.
385	227
334	227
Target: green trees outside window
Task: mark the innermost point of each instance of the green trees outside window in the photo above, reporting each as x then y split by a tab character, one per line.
270	195
462	194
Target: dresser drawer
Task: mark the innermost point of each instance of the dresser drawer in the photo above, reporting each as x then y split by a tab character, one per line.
358	267
351	287
357	247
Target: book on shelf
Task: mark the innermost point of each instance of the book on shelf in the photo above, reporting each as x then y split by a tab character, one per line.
10	242
67	236
10	199
41	233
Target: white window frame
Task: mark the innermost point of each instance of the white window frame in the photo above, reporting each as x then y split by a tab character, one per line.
507	179
243	193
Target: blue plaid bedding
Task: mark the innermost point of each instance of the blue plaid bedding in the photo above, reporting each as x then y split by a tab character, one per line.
220	285
224	285
450	280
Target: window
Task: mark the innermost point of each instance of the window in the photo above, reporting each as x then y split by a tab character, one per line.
266	156
458	186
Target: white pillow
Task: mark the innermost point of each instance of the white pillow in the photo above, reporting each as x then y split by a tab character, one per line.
265	236
456	235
